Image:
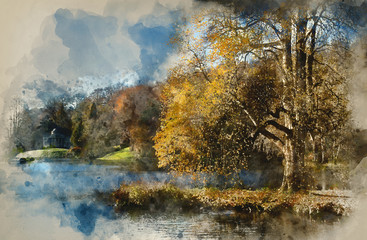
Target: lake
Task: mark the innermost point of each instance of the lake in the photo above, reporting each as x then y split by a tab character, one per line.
68	199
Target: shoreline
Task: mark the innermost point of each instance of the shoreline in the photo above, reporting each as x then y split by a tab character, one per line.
47	153
159	196
166	197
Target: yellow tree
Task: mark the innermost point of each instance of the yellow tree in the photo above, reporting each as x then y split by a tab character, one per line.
202	125
281	74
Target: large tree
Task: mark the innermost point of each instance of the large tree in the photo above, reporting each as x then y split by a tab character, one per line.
278	75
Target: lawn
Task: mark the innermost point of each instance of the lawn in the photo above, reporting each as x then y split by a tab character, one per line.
124	155
45	153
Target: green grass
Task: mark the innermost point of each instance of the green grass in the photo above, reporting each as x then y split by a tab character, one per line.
46	153
55	153
124	155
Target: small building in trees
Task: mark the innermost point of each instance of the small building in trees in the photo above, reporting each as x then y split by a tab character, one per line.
58	138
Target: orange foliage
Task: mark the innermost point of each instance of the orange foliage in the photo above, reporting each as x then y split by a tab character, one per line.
136	107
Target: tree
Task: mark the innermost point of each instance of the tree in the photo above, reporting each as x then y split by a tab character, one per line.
22	129
106	119
93	111
94	131
77	132
281	72
137	108
55	115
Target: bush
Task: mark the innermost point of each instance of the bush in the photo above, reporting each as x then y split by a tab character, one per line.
158	197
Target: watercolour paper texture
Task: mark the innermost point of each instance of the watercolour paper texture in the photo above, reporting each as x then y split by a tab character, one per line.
183	119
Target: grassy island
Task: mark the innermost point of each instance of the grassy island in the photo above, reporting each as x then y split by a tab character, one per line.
171	198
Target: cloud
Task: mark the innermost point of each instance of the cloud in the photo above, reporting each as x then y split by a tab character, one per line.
80	34
79	51
45	89
154	47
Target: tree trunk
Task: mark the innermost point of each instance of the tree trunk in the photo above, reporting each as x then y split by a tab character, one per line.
294	152
294	146
289	166
318	150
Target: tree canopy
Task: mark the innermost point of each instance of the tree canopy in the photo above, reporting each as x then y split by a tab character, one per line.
278	76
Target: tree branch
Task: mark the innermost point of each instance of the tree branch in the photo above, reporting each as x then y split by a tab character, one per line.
276	114
267	134
279	127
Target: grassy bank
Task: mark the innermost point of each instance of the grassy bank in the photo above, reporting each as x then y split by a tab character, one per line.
168	197
124	155
130	160
47	153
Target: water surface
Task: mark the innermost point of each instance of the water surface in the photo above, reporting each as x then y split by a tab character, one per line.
68	199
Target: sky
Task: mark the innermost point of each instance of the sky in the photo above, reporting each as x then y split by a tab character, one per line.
20	23
60	48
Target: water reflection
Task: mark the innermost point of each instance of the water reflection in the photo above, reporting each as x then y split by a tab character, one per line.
75	194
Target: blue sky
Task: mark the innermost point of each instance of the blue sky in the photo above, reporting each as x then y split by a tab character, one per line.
77	51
